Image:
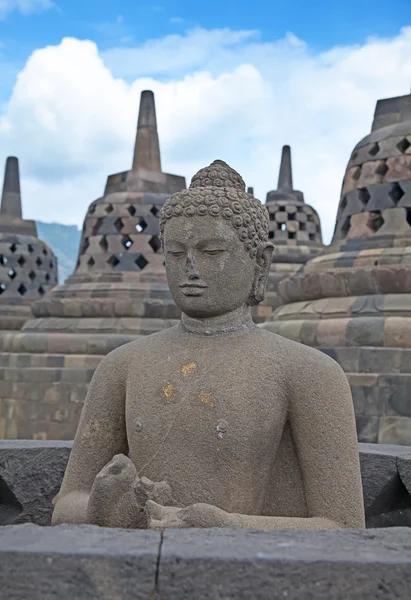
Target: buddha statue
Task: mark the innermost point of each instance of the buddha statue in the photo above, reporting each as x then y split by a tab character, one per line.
215	422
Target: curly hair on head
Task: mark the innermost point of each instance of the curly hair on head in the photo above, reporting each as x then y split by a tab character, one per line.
219	191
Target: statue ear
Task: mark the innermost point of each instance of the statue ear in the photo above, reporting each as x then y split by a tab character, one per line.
262	270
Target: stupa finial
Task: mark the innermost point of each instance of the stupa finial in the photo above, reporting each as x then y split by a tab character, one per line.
11	197
147	147
285	179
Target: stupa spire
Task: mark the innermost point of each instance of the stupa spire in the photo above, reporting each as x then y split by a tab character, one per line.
147	147
285	178
11	197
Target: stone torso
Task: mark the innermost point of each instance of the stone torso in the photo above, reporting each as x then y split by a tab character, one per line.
207	414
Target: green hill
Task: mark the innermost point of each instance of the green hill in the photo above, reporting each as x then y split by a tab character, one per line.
64	240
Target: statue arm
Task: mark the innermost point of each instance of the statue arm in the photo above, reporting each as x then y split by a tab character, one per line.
322	422
101	434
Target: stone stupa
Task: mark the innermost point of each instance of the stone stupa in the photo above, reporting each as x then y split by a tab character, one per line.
28	267
354	301
295	231
117	293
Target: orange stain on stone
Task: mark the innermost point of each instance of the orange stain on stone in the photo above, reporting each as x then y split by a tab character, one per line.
207	399
189	369
170	392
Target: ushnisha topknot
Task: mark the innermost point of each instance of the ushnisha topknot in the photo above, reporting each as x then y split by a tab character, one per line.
218	190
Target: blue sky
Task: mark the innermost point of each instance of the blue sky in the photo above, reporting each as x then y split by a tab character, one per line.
234	79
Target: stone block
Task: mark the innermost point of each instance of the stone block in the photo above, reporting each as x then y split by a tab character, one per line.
296	565
395	430
77	562
33	472
386	477
367	428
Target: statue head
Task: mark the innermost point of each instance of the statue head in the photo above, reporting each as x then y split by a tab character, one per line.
214	237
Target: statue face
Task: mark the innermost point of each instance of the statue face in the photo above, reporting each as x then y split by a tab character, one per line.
209	271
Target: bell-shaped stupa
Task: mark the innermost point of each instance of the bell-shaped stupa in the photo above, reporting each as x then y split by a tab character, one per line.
295	231
354	301
28	267
117	293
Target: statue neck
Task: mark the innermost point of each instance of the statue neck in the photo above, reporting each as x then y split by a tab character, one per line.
236	320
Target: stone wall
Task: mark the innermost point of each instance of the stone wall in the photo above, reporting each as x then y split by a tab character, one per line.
86	562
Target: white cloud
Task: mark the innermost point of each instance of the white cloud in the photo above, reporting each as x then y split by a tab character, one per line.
25	7
219	94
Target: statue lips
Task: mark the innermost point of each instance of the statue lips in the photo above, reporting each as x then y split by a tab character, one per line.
192	288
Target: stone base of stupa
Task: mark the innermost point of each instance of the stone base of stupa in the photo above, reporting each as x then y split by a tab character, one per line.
356	307
46	367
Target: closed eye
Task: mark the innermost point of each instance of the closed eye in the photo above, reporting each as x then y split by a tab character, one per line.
213	252
175	252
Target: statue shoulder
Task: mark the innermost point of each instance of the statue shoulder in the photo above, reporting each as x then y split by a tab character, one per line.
301	362
121	357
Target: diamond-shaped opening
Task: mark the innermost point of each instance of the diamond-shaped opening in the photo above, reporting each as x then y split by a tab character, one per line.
86	244
363	195
30	248
12	274
3	287
346	226
155	243
354	155
97	225
21	261
45	252
141	225
382	169
47	277
126	241
409	216
39	262
292	235
271	235
51	264
403	145
343	205
376	221
154	210
118	224
311	236
91	262
124	177
396	193
303	226
41	291
103	243
22	289
141	262
13	248
3	259
32	275
374	149
109	208
92	209
131	210
283	227
113	261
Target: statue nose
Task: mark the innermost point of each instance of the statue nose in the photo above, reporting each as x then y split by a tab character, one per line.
191	268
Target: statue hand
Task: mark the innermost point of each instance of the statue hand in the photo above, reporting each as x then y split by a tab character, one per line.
196	515
206	515
118	498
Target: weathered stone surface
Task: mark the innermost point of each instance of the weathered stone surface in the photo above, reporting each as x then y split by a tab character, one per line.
386	477
32	471
296	565
357	294
86	563
81	562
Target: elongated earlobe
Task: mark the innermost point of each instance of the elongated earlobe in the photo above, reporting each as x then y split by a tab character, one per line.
262	270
